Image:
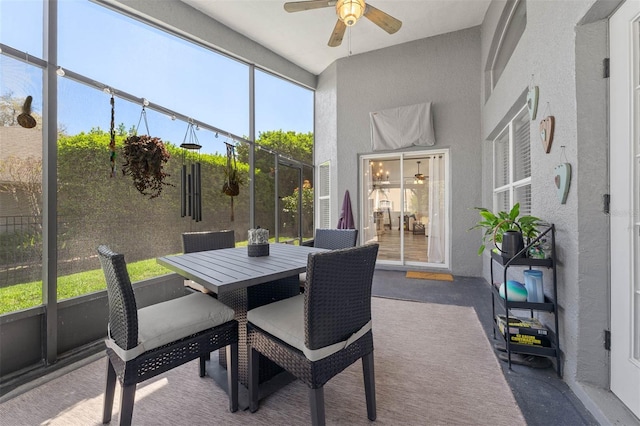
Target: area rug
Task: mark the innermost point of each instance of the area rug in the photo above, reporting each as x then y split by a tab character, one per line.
433	366
429	276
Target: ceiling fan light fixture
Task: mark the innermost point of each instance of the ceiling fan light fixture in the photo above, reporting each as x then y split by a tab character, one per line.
419	177
349	11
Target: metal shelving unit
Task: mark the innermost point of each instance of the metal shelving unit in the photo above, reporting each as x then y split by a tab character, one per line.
549	305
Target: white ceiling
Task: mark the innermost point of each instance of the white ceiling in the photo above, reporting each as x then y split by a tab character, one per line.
302	37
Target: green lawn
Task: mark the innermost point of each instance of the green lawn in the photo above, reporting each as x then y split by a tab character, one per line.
27	295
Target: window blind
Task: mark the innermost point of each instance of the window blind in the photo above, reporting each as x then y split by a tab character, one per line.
324	195
512	165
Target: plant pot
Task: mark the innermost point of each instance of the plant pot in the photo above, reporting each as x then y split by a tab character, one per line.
258	250
512	243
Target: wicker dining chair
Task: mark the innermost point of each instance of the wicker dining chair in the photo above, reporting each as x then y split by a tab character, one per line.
319	333
143	343
203	241
331	239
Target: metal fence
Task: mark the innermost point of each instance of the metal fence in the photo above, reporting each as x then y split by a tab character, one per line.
137	236
20	249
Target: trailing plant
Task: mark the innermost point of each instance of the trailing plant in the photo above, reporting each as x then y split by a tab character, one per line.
496	224
232	179
145	157
232	182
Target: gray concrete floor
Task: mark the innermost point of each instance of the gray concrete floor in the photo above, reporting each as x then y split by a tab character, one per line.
543	397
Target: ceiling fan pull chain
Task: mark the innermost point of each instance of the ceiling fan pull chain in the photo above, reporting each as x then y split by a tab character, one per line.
350	42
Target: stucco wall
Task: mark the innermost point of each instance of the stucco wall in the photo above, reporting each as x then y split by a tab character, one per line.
565	61
442	70
326	124
593	224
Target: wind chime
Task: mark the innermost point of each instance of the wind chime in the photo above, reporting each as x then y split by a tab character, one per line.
190	184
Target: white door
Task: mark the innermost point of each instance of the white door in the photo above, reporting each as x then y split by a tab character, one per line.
625	203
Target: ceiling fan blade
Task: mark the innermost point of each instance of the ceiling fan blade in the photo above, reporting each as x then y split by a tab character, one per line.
337	34
381	19
299	6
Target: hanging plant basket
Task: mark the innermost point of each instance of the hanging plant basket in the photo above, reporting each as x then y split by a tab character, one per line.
231	186
232	180
145	157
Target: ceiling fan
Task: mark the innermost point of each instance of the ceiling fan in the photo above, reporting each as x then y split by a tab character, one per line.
348	11
419	176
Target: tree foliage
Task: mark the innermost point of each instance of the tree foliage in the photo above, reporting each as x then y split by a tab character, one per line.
298	146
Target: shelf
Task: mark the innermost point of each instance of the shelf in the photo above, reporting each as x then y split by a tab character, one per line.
547	306
521	261
530	349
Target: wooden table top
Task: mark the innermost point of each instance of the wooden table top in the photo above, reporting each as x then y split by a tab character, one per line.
231	269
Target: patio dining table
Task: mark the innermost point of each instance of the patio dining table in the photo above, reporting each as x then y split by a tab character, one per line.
243	283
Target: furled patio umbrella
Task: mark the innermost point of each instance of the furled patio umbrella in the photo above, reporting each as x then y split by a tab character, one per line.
346	216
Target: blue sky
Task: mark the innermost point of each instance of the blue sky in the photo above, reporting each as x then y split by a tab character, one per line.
129	56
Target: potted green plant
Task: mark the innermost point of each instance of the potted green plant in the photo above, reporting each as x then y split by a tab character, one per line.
496	224
144	158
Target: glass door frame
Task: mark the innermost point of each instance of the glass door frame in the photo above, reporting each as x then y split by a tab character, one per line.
363	184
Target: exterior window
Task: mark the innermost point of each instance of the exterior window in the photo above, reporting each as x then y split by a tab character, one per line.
512	165
508	32
324	195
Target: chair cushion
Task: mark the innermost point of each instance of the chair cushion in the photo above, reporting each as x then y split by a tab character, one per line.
173	320
285	320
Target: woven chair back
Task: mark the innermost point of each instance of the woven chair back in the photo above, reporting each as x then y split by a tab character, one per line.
333	239
123	312
337	296
210	240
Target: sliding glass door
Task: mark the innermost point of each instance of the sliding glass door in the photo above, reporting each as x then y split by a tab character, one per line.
405	207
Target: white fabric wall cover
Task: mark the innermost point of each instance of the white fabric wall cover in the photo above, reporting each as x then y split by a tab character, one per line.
402	127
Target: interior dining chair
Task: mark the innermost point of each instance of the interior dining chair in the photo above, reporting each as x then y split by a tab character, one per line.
331	239
143	343
319	333
203	241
